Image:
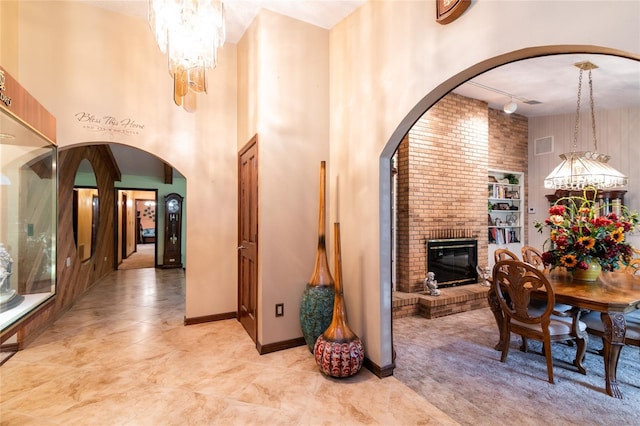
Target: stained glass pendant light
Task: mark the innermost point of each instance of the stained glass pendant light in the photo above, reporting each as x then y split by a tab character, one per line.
581	169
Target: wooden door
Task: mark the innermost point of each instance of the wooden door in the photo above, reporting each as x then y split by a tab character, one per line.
248	237
123	231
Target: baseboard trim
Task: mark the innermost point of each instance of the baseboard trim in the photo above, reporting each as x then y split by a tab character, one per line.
210	318
279	346
381	372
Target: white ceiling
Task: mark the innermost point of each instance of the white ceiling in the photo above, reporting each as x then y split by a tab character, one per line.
551	80
240	13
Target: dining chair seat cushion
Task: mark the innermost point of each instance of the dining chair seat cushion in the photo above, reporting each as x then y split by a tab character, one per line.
558	326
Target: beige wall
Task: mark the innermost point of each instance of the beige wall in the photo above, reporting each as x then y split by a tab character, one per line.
388	61
288	107
8	45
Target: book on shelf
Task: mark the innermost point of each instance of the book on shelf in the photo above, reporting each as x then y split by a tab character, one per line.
499	191
502	236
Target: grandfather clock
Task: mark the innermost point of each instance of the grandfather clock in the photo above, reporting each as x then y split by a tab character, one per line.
172	231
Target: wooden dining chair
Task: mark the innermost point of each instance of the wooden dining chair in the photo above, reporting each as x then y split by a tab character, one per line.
504	254
533	256
514	282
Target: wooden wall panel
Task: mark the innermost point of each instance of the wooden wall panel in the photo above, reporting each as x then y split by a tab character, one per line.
27	108
75	279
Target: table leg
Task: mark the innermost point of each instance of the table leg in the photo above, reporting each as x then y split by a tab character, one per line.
615	328
494	304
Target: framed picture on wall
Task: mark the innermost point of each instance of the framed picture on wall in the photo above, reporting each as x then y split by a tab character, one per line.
449	10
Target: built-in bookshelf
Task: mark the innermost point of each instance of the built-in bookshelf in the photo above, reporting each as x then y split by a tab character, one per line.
505	218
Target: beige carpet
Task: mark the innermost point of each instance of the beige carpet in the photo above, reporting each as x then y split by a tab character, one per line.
143	257
451	362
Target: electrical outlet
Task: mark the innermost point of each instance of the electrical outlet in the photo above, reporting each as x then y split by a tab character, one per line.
279	309
68	261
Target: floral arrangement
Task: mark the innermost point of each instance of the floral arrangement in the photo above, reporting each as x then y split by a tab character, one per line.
580	235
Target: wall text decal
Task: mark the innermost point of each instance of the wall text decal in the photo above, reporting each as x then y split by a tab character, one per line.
109	124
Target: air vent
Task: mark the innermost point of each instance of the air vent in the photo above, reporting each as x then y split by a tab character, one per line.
543	145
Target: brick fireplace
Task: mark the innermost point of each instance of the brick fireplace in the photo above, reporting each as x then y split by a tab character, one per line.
442	167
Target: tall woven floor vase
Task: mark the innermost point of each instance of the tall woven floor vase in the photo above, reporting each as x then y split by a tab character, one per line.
316	308
338	351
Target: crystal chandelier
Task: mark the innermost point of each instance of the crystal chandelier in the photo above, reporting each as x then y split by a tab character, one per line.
579	170
190	32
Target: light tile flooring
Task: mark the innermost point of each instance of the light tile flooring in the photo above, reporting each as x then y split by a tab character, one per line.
122	356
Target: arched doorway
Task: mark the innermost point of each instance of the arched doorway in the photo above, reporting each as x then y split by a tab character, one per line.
114	166
385	164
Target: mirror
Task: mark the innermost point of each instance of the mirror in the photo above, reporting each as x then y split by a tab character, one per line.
86	208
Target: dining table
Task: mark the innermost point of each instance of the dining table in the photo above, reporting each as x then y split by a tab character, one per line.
612	294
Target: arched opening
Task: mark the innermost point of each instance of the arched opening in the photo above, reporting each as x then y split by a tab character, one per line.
386	165
116	169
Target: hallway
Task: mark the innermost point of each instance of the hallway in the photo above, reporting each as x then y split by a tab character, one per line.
143	257
122	355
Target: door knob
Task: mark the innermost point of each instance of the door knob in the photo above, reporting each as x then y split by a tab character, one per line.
241	247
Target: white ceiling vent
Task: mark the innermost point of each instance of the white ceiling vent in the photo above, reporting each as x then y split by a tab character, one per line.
543	145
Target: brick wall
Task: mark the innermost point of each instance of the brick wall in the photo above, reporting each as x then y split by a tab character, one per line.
442	177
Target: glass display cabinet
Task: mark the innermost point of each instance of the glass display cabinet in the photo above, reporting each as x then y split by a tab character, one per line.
28	221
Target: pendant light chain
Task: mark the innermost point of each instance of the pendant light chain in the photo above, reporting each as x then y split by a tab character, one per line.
593	116
575	129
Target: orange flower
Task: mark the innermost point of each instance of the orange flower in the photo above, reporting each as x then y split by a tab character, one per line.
569	261
618	235
588	242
